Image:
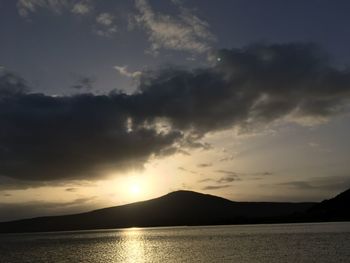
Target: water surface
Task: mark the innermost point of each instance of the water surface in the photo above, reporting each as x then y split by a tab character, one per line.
319	242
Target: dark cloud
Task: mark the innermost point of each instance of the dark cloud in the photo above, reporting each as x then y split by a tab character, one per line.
206	180
186	170
204	165
237	174
11	211
299	184
257	84
334	183
11	84
71	189
227	159
85	83
45	138
215	187
229	173
224	179
9	183
228	179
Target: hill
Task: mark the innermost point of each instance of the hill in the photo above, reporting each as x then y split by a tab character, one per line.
179	208
335	209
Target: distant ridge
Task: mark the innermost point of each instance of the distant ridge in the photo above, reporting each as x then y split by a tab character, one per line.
335	209
187	208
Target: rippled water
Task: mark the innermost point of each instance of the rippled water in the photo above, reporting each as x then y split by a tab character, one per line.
324	242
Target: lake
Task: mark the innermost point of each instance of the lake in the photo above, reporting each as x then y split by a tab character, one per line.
315	242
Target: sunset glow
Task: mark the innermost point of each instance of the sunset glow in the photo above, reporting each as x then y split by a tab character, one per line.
135	189
105	103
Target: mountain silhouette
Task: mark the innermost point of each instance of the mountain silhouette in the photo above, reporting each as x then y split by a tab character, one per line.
185	208
335	209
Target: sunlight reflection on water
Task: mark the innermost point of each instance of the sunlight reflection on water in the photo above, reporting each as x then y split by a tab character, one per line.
256	243
133	246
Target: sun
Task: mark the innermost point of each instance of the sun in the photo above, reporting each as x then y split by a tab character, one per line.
135	189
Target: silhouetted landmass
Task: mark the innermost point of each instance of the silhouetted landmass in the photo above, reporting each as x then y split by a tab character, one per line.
335	209
187	208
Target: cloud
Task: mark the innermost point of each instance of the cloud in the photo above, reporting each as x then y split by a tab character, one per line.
314	144
12	183
104	22
12	211
299	184
229	178
46	138
105	25
319	147
25	7
82	7
123	70
252	86
334	183
9	183
71	189
11	84
230	173
204	165
216	187
186	170
84	83
105	19
184	32
227	158
78	7
233	173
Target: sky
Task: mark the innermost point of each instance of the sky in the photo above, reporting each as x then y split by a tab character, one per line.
104	103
